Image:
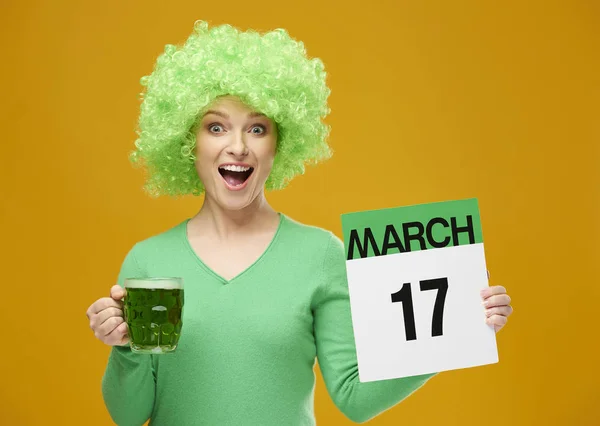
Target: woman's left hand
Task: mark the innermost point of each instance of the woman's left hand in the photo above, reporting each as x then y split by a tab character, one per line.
497	306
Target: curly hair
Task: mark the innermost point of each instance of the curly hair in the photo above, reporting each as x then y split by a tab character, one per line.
270	73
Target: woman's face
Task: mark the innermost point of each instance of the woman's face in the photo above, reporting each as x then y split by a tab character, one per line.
235	148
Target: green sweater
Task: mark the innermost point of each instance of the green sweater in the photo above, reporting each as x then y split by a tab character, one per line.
248	345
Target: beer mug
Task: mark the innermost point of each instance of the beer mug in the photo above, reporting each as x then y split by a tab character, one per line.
153	309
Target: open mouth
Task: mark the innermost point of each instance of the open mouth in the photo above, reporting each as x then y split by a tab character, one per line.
235	176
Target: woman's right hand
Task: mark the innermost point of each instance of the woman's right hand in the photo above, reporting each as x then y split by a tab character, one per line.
106	318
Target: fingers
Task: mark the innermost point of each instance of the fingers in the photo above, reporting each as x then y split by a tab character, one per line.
102	304
108	327
113	331
497	300
497	306
117	292
119	336
499	310
97	320
122	331
498	321
492	291
106	318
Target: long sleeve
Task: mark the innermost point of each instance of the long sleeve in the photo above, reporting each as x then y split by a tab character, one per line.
128	384
336	350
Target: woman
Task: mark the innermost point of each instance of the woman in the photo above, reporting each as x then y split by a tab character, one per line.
230	114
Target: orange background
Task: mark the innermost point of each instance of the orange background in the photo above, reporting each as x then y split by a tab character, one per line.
430	101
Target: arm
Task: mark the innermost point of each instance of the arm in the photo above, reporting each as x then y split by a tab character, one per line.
336	351
128	384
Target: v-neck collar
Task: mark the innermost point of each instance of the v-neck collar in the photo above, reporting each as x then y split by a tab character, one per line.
186	241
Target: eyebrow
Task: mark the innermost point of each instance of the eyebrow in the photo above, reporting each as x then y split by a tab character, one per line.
226	116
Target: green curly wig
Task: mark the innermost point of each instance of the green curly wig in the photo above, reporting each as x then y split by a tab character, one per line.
270	73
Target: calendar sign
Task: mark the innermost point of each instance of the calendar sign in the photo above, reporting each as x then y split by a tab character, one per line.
414	277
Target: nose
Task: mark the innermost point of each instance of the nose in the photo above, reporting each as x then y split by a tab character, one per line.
238	146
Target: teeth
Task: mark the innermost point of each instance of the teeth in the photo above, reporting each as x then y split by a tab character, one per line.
232	168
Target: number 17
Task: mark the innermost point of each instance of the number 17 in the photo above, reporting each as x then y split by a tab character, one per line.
404	295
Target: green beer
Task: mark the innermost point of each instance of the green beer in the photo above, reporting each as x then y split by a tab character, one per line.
153	312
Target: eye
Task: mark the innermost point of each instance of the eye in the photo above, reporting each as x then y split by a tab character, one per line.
258	129
215	128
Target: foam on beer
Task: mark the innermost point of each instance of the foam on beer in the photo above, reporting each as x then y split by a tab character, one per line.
154	283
